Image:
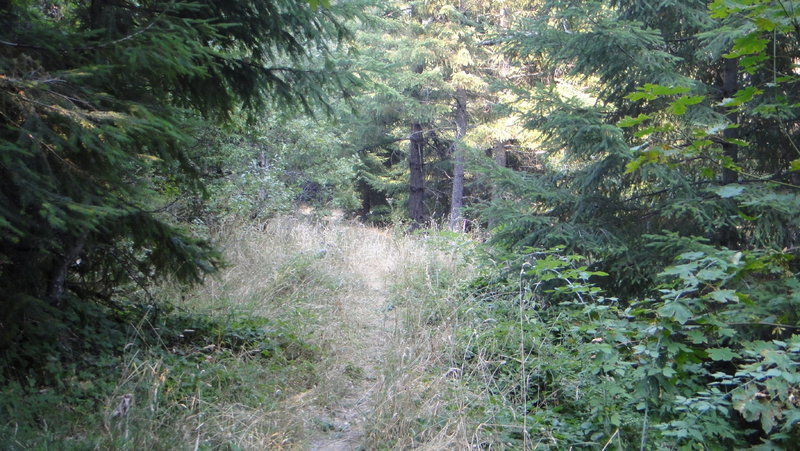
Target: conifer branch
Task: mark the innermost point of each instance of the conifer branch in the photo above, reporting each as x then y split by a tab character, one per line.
685	39
128	37
382	143
95	46
24	46
795	23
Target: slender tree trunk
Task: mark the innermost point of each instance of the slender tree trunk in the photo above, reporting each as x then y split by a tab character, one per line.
416	185
5	7
58	280
6	18
500	154
96	13
457	223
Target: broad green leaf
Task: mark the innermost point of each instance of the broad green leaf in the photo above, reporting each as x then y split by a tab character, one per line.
649	156
677	311
746	94
721	354
634	165
737	142
747	45
692	255
679	106
628	121
792	418
708	173
746	217
764	23
770	415
711	274
742	96
647	131
651	91
751	63
724	296
701	144
696	336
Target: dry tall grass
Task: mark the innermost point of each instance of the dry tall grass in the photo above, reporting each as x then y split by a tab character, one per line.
378	304
420	401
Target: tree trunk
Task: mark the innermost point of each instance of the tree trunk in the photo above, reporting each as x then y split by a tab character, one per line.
6	18
58	279
95	14
416	185
457	223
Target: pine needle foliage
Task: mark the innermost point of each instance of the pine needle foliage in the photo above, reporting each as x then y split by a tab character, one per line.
682	125
100	102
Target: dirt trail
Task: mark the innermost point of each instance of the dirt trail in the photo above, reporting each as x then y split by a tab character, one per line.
364	323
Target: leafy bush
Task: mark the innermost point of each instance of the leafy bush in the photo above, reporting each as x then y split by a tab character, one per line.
711	360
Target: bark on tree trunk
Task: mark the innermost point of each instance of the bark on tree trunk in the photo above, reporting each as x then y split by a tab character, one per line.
500	154
6	18
58	280
730	84
95	14
416	185
457	223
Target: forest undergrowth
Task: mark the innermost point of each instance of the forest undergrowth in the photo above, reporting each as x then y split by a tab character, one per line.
331	335
317	335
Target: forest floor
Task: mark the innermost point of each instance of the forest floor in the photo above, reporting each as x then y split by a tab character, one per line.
364	322
319	334
376	304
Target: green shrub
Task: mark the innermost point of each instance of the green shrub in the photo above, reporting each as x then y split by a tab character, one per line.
710	360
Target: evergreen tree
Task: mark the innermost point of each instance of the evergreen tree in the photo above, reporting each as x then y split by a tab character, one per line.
100	104
423	59
397	116
641	134
669	130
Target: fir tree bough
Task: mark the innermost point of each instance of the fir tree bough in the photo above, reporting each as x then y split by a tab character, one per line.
99	103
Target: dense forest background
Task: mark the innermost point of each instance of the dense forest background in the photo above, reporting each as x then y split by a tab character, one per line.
631	169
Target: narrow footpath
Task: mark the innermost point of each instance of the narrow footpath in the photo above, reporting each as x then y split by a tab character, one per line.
364	322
